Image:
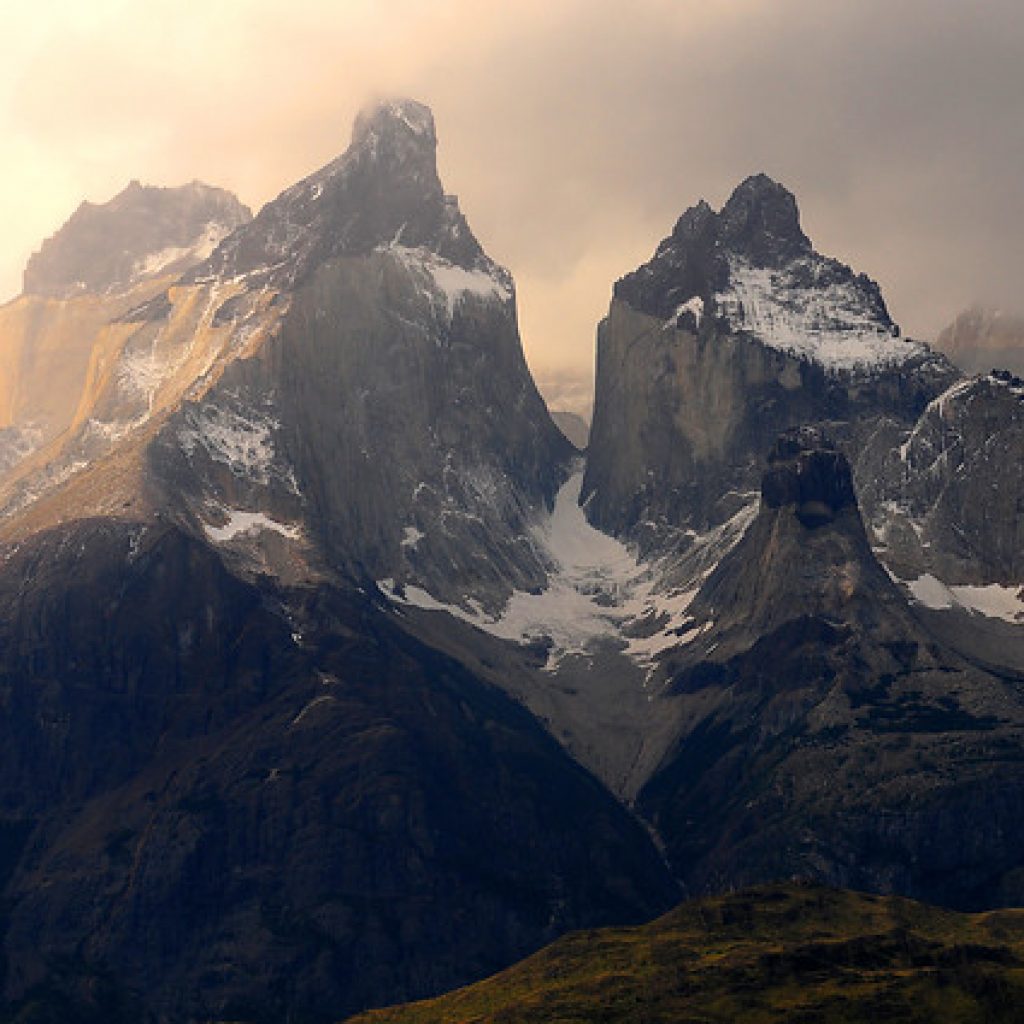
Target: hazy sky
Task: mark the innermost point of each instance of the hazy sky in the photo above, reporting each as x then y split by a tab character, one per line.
573	131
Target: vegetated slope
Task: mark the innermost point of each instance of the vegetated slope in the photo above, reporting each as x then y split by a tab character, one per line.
773	954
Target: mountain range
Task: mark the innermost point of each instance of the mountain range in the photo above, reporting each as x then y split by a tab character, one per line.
336	675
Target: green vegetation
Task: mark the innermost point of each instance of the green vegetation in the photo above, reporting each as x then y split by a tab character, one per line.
792	953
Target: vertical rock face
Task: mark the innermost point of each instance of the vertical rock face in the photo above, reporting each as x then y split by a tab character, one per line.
735	330
407	434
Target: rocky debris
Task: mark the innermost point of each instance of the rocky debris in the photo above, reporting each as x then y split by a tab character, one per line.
141	232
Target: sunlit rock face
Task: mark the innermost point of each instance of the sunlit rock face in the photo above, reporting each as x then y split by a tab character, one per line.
61	340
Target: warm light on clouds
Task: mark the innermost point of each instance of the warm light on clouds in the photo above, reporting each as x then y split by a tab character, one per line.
574	131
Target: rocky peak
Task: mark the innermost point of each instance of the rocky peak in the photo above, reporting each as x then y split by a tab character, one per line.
143	231
383	191
808	474
762	222
750	270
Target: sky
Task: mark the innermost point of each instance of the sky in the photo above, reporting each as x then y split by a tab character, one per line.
575	132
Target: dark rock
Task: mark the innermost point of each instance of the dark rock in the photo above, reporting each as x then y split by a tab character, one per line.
235	823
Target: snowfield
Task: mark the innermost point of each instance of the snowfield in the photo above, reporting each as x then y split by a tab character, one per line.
598	593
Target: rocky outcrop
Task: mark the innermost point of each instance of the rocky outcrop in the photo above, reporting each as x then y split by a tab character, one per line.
825	733
735	330
141	232
949	500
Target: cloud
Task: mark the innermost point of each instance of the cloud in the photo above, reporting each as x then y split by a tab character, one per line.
574	132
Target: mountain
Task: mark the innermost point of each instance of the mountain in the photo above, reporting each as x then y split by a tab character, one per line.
826	732
774	954
57	338
735	330
343	374
235	784
334	674
141	232
982	339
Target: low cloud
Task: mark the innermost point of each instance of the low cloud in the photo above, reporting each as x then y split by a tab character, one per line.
575	133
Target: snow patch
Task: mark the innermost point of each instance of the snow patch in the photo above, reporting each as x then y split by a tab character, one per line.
597	593
447	284
244	443
241	523
829	323
694	306
412	537
993	600
212	234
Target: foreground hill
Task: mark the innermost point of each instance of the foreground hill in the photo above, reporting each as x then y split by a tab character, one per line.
780	953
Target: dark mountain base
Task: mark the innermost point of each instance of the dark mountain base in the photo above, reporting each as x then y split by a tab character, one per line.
278	807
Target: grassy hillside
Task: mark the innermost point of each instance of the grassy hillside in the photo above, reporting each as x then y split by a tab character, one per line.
780	953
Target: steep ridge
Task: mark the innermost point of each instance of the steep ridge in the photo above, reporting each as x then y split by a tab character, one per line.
736	330
235	787
344	373
825	732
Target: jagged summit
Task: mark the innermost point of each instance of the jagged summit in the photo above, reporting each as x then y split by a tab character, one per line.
761	219
143	231
383	191
750	270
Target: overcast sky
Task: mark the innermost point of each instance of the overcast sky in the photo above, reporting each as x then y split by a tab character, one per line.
573	131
